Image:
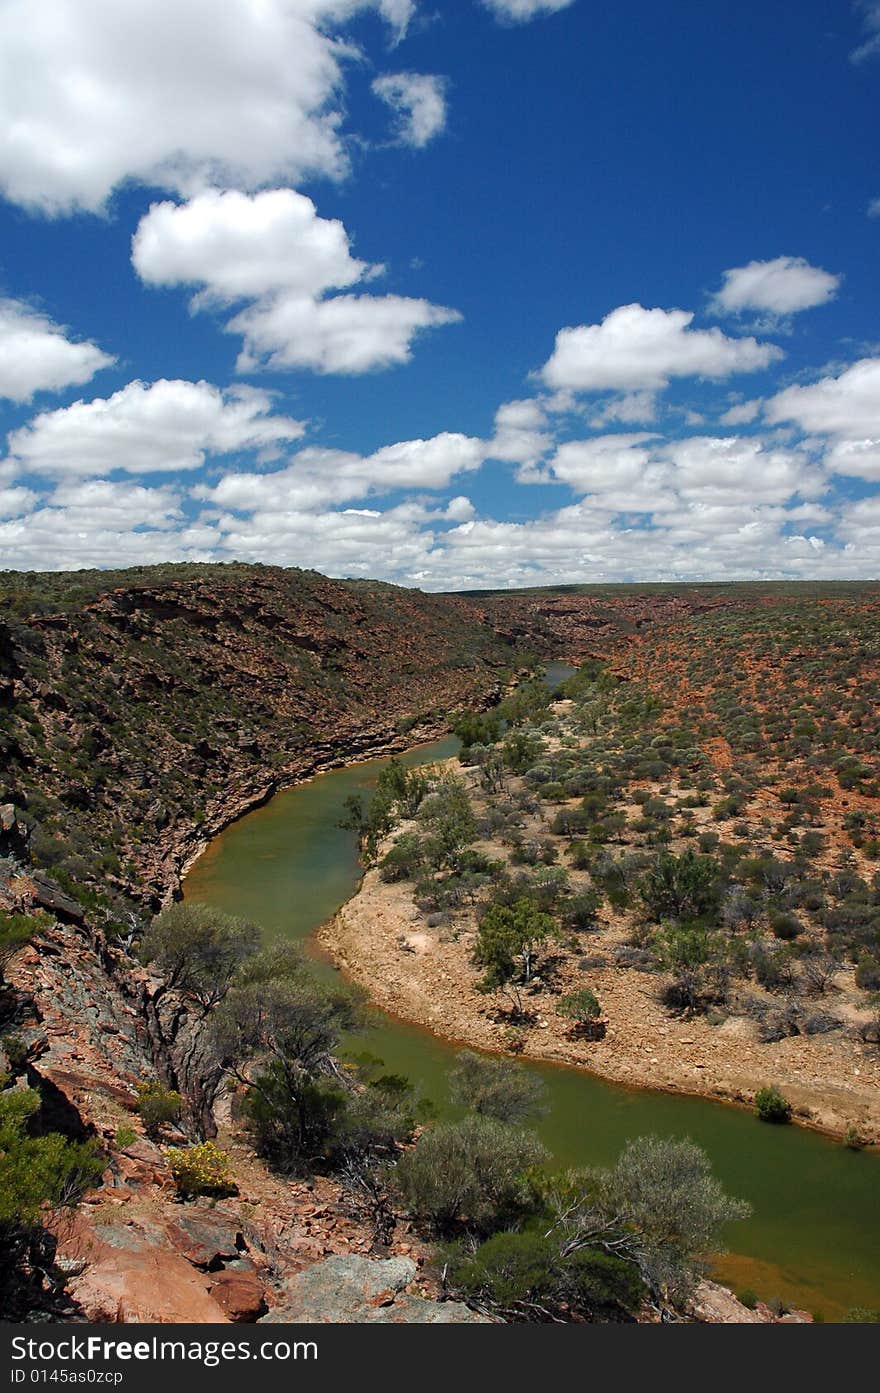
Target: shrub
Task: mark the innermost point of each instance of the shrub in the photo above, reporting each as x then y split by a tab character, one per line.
404	860
748	1298
785	926
200	1170
680	887
868	973
582	1009
291	1117
157	1106
579	912
35	1171
476	1170
852	1139
496	1088
515	1272
15	931
771	1106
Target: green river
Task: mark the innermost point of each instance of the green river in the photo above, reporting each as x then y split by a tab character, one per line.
814	1238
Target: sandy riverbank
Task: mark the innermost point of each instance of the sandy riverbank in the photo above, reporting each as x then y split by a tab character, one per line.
422	975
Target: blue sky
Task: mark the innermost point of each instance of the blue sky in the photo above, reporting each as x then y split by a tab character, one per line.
500	292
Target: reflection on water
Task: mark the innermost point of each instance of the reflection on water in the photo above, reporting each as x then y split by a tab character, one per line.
814	1238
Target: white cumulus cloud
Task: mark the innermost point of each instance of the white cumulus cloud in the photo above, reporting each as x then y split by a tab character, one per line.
642	349
239	246
783	286
521	11
346	334
37	355
168	425
174	93
846	409
419	102
317	477
273	250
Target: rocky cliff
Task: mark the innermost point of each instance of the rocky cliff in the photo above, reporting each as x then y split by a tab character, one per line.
139	713
136	721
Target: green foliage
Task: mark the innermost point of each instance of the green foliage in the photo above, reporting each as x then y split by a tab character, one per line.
527	702
399	793
475	1171
157	1106
278	1008
15	931
660	1207
449	817
522	749
277	1032
477	728
496	1088
686	951
771	1106
37	1170
405	858
198	948
292	1117
200	1170
580	1007
525	1276
680	887
508	940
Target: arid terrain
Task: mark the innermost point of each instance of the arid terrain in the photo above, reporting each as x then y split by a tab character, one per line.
142	712
743	739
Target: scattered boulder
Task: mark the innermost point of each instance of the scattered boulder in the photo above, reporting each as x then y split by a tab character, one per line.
240	1294
346	1290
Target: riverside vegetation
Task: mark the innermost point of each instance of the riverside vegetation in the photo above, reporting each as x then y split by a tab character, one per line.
138	718
703	813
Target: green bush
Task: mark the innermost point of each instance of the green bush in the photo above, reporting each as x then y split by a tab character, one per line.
15	931
517	1272
868	973
785	926
771	1106
198	949
475	1171
36	1171
582	1009
496	1088
157	1106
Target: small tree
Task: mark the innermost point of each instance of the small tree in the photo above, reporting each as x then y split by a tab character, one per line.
508	940
680	887
659	1208
582	1009
496	1088
275	1033
686	951
198	949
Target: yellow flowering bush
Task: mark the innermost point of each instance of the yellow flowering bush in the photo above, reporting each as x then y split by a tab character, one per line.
200	1170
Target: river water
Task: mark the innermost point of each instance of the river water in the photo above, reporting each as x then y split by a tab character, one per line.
814	1237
